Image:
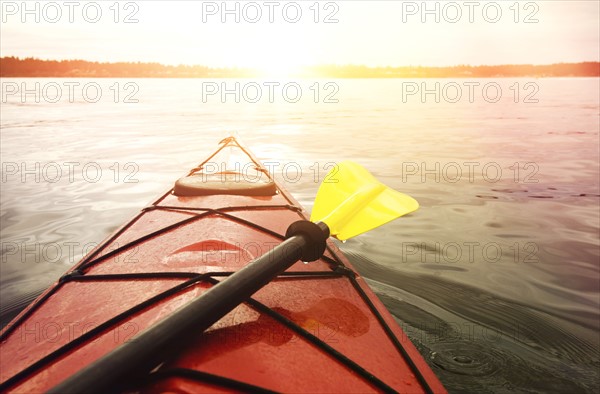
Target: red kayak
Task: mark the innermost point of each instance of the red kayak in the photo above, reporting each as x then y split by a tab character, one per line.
317	327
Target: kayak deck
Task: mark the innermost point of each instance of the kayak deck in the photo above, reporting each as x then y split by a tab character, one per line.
316	328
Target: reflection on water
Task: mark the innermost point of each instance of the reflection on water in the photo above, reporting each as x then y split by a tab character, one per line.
485	342
495	278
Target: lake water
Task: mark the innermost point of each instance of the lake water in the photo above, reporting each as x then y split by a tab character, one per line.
495	278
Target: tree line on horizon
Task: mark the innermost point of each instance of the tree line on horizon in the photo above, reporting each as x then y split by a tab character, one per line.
33	67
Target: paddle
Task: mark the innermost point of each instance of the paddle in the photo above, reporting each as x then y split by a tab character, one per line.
350	201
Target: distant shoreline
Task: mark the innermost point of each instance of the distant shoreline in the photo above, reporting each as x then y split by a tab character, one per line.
13	67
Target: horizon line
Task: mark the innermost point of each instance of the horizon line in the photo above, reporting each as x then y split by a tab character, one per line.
300	66
16	67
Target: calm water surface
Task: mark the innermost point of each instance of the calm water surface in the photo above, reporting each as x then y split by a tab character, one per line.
495	278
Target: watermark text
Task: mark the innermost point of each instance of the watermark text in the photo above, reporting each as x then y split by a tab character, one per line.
270	12
470	11
468	91
469	171
70	171
69	11
271	92
469	252
69	91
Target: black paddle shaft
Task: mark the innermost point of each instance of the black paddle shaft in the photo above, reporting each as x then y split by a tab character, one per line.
305	241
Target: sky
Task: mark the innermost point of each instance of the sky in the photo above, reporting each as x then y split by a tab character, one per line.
283	35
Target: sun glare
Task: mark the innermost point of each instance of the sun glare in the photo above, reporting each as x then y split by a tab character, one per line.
277	67
282	54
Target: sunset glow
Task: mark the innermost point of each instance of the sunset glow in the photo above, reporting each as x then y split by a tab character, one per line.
219	125
368	33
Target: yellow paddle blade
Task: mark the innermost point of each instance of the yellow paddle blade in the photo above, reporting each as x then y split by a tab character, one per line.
351	201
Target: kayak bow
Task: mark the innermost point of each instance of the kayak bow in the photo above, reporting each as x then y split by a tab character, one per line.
317	327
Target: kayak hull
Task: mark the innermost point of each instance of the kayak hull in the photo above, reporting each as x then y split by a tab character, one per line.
318	327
